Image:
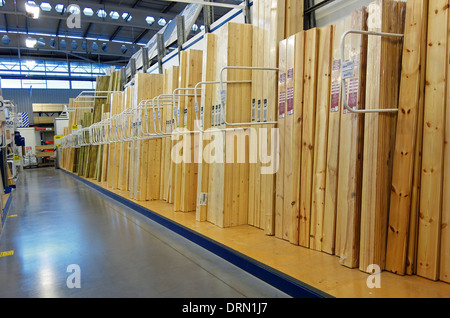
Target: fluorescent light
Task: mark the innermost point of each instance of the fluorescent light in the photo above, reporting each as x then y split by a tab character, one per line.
114	15
162	22
60	8
45	6
32	10
101	13
30	42
150	20
88	12
74	9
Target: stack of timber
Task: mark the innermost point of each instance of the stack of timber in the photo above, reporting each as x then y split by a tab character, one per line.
273	21
382	89
224	167
418	235
146	153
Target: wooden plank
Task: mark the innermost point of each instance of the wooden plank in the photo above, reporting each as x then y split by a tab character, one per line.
181	107
209	74
308	140
175	84
276	33
431	195
289	136
294	17
321	137
383	72
154	145
351	148
404	155
444	266
189	169
255	86
43	120
299	62
279	201
329	219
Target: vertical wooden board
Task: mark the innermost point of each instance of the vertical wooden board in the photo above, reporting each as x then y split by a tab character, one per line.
321	137
431	195
105	156
384	60
181	106
119	146
404	155
329	219
175	84
279	201
351	140
276	34
255	84
288	136
216	186
444	266
209	74
194	75
294	17
299	63
309	116
244	115
154	150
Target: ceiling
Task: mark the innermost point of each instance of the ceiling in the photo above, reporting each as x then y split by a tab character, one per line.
120	34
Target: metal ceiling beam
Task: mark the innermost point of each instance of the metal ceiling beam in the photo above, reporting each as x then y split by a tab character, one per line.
6	22
140	36
114	48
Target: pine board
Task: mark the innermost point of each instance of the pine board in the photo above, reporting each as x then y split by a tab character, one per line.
431	195
404	155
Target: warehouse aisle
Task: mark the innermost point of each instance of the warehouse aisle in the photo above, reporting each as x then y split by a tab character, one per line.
59	228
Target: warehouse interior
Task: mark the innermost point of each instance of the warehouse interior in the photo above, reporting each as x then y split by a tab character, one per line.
229	149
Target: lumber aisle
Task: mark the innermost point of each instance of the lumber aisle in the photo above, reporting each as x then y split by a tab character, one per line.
345	184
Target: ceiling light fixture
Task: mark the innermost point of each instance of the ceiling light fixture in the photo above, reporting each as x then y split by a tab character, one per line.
162	22
32	10
30	42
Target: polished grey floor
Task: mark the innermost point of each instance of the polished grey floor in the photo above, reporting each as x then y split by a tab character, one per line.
119	253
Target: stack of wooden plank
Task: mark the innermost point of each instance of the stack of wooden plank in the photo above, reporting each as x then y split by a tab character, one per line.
224	166
146	153
273	21
418	236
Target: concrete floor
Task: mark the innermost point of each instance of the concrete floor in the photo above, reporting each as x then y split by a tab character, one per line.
119	253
